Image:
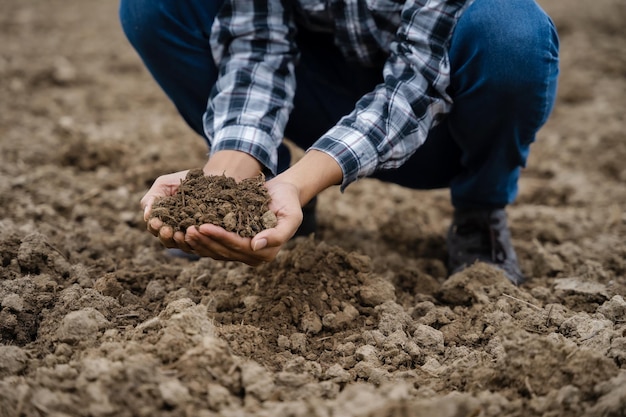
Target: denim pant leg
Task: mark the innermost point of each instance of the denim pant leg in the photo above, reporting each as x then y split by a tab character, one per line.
504	92
172	39
504	62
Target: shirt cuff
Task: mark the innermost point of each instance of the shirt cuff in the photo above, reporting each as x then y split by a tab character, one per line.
354	153
250	140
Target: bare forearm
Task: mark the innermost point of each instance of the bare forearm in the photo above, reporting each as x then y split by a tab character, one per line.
312	174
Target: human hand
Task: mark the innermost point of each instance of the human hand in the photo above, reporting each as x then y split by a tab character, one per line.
289	191
164	186
213	241
238	165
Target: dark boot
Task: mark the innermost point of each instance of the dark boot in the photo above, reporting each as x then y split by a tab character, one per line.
482	235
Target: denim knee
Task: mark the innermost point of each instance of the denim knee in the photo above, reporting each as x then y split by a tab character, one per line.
140	21
511	43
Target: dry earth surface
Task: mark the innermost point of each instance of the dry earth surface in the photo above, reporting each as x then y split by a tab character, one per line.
360	321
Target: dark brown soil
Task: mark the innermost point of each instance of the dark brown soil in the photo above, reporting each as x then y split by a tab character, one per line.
240	207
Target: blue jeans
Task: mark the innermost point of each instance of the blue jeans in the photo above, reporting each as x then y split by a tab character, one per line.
504	62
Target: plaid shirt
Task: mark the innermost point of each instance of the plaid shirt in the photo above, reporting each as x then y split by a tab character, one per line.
253	44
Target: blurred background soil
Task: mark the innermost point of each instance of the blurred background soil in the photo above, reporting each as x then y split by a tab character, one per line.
360	320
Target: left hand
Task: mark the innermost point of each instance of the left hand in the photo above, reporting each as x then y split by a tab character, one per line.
215	242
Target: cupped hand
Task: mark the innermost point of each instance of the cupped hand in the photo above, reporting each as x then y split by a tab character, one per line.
238	165
314	172
213	241
209	240
164	186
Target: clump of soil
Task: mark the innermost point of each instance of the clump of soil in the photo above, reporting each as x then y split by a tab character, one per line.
240	207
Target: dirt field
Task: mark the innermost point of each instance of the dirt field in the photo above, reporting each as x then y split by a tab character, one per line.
361	321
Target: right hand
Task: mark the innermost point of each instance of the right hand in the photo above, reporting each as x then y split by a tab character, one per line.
215	242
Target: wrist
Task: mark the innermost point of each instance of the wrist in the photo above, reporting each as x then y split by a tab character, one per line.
236	164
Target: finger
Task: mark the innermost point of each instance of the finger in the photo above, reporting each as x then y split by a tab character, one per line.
218	241
181	242
166	235
224	238
277	236
163	186
154	225
272	238
146	204
215	242
205	246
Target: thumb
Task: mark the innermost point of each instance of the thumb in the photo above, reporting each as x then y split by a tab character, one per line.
258	243
146	204
276	236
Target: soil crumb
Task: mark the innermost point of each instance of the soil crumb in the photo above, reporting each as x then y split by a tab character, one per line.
240	207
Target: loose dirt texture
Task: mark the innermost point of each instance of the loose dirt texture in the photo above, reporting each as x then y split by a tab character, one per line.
240	207
360	320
